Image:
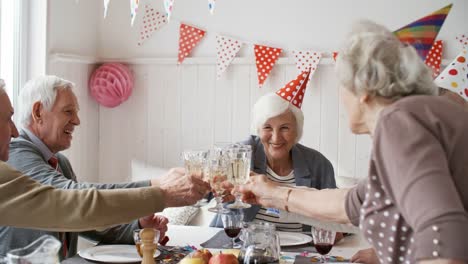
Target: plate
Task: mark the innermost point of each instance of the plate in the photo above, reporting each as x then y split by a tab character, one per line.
293	239
113	254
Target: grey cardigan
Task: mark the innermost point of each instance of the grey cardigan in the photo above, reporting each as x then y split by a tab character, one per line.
311	169
26	157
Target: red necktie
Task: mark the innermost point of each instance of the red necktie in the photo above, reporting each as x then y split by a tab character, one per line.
53	162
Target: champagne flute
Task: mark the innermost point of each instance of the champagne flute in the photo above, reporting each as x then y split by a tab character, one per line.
323	241
195	163
239	170
216	171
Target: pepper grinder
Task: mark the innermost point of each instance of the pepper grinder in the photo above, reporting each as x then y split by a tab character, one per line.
147	245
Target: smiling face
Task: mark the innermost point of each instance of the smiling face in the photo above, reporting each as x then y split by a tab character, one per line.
278	135
55	127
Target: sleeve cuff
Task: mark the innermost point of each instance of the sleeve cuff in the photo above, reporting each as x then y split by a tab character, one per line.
445	240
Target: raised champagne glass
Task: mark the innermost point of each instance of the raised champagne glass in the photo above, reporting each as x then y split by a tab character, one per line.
239	170
195	163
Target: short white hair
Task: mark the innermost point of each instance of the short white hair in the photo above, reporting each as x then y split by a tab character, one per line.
271	105
2	87
41	89
374	61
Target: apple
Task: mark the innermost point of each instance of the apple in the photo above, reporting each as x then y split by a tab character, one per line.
223	258
203	253
190	260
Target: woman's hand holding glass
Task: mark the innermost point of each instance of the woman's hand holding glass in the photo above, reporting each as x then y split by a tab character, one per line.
239	170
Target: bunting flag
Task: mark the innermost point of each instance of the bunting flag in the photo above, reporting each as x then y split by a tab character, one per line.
106	5
189	37
463	39
265	58
455	75
152	21
434	57
334	55
307	60
294	90
168	5
226	50
422	33
133	10
211	6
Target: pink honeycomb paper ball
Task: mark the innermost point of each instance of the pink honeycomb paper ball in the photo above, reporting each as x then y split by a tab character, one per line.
111	84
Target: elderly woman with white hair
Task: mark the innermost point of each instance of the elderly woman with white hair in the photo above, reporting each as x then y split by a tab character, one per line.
277	125
412	207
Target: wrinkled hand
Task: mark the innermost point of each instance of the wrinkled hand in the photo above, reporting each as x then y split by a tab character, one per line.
258	190
366	256
158	222
180	189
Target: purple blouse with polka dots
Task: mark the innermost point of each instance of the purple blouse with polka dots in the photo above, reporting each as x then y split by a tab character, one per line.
413	204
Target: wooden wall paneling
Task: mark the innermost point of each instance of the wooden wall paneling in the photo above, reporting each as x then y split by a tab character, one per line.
157	90
241	107
346	144
172	111
329	116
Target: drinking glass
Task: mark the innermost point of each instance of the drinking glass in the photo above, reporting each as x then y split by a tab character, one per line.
194	163
137	239
233	222
216	171
239	170
323	241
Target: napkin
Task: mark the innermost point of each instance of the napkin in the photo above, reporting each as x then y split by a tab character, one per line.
219	240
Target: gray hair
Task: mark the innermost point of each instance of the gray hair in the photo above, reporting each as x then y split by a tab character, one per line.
2	87
41	89
271	105
375	62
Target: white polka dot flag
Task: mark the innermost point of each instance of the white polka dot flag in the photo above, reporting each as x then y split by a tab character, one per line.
168	6
152	21
226	50
265	58
307	60
133	10
434	57
106	5
294	90
455	75
211	6
188	38
463	40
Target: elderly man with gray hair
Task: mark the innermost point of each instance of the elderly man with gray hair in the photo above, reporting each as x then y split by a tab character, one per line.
28	204
49	115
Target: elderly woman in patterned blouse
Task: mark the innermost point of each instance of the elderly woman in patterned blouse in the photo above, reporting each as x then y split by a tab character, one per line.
412	207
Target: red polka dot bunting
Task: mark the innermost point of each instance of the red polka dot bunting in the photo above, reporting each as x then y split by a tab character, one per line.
307	60
266	58
434	57
334	55
189	37
226	50
455	75
294	90
152	21
463	40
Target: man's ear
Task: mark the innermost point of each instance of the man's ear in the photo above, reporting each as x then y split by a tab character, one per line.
37	111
